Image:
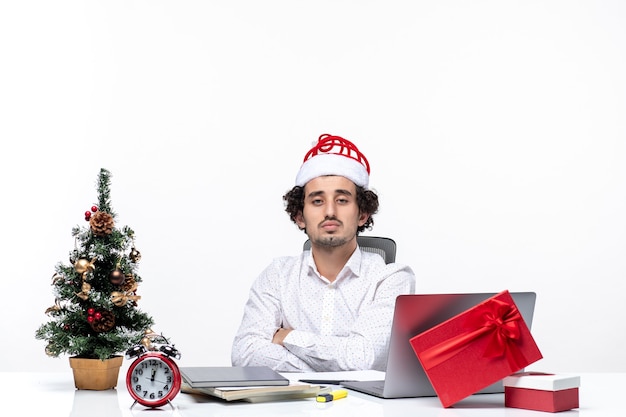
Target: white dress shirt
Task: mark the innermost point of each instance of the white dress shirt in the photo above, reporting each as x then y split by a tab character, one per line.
339	326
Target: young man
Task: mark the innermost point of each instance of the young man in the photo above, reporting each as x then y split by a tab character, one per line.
330	308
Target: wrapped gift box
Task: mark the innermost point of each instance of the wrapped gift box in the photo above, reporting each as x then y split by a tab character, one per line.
541	391
476	348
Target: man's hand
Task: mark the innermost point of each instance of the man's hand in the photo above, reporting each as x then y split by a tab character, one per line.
280	335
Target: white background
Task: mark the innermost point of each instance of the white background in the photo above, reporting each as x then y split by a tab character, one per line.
495	131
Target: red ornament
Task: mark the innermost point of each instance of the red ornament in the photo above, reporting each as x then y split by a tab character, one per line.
90	319
98	315
88	213
90	311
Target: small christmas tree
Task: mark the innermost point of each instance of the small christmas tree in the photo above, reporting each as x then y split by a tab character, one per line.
95	312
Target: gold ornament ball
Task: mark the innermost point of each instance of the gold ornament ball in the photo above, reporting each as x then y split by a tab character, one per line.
147	343
49	351
83	265
135	255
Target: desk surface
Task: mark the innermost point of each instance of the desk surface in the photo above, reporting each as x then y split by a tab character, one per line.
53	394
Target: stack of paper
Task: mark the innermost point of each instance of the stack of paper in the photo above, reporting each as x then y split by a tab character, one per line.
259	394
247	383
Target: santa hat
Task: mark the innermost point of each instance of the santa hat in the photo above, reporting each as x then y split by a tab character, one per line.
334	155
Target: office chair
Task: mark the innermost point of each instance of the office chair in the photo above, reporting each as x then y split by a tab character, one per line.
383	246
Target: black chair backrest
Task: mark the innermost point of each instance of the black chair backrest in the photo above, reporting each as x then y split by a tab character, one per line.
383	246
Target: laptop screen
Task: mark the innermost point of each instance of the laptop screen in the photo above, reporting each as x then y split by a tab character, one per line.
416	313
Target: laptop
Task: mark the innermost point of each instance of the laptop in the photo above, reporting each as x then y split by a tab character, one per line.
415	313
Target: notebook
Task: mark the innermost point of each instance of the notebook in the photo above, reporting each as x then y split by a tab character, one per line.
415	313
231	376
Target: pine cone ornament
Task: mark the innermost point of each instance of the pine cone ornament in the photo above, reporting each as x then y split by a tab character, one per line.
129	284
101	223
103	323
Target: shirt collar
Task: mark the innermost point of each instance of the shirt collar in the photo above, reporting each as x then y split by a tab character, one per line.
353	265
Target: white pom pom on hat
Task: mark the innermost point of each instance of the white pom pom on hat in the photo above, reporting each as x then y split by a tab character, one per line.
334	155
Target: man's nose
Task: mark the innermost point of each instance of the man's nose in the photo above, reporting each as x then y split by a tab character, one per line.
330	209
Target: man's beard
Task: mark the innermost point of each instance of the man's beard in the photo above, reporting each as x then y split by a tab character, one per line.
331	241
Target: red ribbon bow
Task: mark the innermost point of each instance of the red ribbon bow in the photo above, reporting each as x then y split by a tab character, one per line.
495	319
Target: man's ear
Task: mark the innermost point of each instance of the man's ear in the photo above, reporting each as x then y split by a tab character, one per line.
299	219
363	217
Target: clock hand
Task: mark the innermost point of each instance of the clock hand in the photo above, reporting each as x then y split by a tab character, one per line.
153	374
162	382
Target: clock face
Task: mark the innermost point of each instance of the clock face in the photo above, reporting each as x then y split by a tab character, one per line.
153	379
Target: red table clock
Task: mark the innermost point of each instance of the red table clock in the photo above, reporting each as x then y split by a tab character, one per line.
153	378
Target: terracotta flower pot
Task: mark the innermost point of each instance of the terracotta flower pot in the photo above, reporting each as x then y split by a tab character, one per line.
96	374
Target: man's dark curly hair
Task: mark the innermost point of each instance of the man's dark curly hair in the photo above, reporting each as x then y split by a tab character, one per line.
367	200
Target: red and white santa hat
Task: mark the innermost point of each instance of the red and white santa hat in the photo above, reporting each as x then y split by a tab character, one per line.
334	155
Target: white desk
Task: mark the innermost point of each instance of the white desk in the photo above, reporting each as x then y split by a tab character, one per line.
53	394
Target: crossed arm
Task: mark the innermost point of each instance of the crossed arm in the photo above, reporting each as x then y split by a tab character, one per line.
271	335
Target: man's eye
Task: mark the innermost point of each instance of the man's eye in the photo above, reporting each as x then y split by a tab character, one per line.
317	202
